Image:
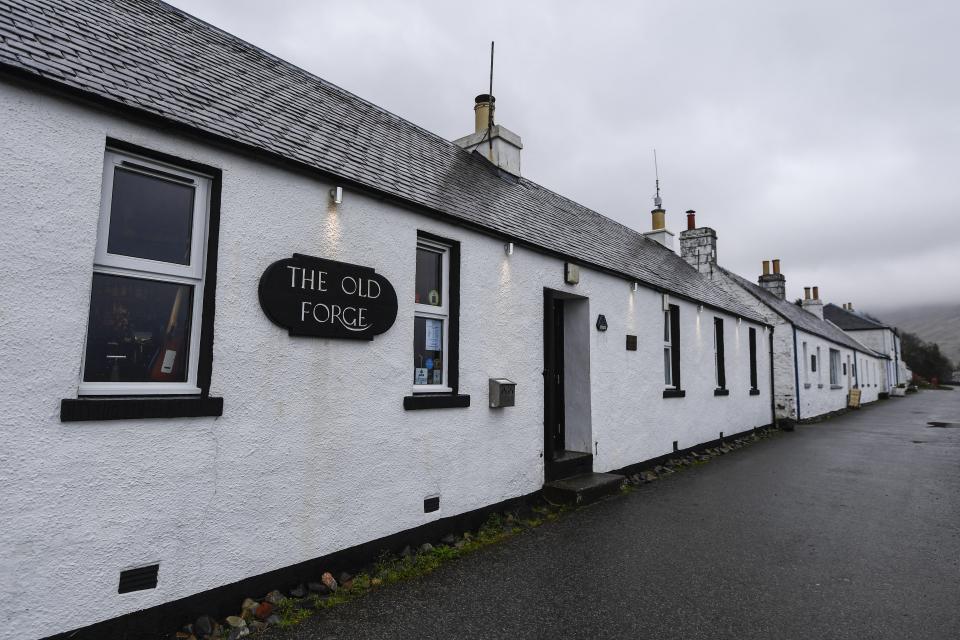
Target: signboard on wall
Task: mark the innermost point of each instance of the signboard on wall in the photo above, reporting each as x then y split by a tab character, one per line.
311	296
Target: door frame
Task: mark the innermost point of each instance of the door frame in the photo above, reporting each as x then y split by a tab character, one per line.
553	390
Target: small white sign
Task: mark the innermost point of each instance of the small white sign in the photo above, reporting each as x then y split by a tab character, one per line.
434	330
420	376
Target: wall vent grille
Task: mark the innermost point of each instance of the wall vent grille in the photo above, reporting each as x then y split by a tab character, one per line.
431	504
139	579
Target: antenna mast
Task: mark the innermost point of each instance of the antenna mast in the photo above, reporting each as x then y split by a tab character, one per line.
657	201
490	110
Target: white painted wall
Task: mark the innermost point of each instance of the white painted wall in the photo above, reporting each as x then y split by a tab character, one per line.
883	341
314	452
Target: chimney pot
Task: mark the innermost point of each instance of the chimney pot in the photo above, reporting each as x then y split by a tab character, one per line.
483	110
806	293
766	267
659	219
691	220
816	293
776	265
850	306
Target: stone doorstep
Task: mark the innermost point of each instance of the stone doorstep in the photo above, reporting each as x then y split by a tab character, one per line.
583	488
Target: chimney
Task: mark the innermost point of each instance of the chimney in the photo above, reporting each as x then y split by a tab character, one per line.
774	282
812	303
849	306
497	144
660	233
699	246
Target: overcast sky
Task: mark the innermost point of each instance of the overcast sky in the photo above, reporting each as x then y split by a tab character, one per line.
826	134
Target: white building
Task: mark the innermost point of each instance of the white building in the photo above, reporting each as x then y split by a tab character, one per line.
879	337
816	365
194	230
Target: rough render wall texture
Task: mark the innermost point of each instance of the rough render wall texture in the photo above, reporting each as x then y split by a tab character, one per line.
785	390
314	452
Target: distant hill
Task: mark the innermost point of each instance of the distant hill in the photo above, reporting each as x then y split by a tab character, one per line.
933	323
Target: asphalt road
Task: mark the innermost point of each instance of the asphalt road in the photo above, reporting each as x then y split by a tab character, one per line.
845	529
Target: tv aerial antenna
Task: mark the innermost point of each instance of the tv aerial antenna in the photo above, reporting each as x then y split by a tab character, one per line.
657	200
490	110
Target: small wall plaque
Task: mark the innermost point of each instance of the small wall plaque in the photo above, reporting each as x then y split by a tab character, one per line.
631	343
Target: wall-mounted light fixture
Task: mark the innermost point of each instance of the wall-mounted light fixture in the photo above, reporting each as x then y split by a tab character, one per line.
635	287
739	320
666	302
336	194
571	273
508	248
699	308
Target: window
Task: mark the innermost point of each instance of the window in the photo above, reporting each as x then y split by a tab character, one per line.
807	364
719	367
753	359
834	367
146	302
436	304
816	363
431	317
671	353
667	351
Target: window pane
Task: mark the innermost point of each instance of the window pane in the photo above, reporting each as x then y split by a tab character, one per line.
150	218
667	378
429	277
427	351
139	330
666	326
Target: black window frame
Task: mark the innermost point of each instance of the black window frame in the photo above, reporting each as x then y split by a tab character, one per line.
134	407
752	337
677	391
447	399
720	364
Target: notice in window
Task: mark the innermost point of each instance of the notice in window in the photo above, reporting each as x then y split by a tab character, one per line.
434	335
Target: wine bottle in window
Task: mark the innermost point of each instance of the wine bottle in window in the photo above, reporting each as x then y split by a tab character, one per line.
172	348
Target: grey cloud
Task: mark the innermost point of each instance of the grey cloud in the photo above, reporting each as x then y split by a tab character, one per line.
822	133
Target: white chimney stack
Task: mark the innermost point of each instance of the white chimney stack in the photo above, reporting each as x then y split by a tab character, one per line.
497	144
812	302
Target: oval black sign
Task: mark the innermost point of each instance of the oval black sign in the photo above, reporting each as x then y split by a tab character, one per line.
311	296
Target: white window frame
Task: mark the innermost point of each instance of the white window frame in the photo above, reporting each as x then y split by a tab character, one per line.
834	367
441	312
668	350
806	364
143	269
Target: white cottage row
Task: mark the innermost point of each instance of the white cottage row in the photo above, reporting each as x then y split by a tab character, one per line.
252	320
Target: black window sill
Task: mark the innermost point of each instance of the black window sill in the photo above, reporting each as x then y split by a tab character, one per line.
806	385
819	386
836	386
721	392
674	393
113	408
754	392
435	401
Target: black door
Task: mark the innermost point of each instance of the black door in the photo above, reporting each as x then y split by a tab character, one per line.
553	422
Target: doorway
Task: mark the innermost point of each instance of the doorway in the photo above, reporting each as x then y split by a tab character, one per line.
568	445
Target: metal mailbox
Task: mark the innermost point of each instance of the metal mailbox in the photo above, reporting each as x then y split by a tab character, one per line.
502	392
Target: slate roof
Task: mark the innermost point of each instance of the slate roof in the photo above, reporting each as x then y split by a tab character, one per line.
850	320
155	58
800	317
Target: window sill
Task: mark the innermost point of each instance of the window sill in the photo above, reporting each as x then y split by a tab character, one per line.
721	392
806	385
836	386
435	401
674	393
135	408
754	392
819	386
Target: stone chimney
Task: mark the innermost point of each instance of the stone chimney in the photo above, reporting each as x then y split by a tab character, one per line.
774	282
660	233
812	303
698	246
497	144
